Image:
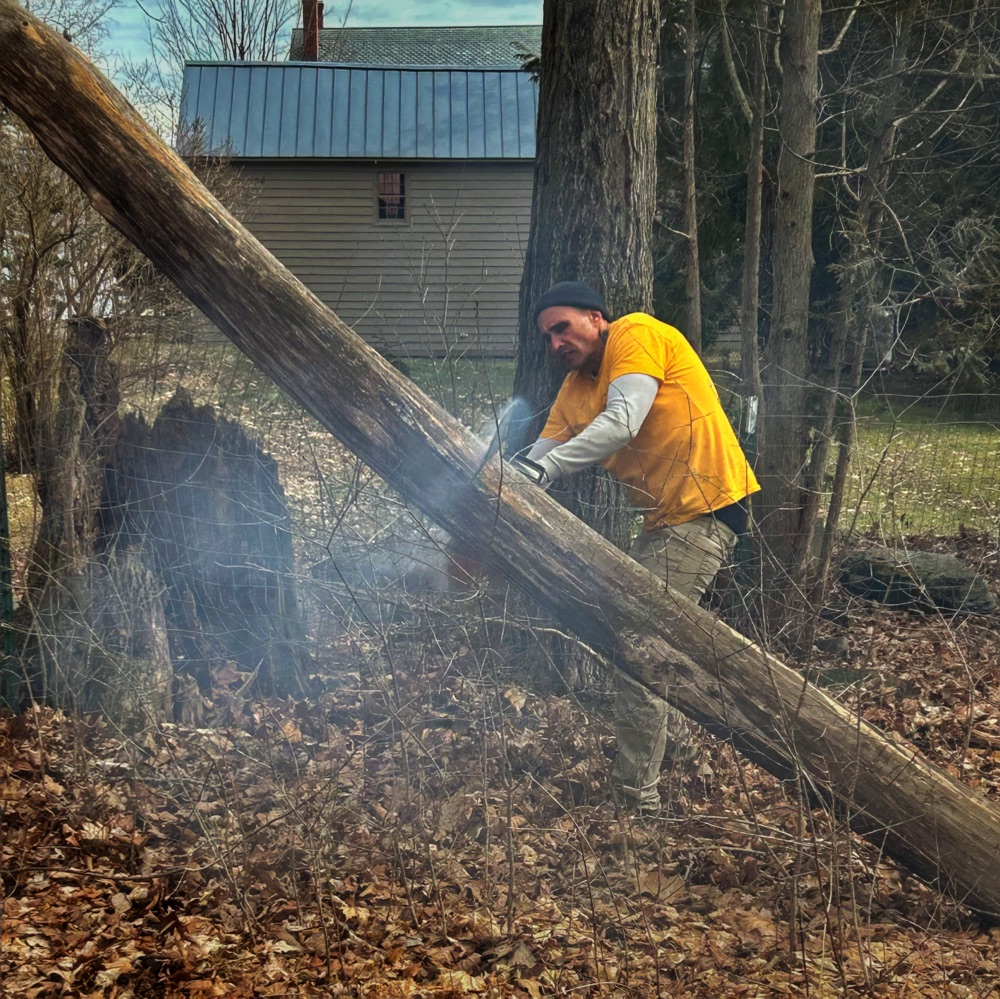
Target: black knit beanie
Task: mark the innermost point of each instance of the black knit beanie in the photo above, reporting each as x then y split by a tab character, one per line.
575	293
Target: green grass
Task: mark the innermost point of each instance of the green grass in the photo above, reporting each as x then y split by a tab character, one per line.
924	473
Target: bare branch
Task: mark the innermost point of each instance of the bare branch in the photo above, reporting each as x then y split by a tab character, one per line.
843	31
727	54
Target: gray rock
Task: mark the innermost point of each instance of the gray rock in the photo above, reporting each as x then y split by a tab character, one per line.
907	578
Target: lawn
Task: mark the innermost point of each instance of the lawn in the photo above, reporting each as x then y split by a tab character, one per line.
924	474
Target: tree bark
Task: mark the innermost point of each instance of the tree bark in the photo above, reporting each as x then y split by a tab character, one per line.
925	818
784	431
592	213
595	171
71	463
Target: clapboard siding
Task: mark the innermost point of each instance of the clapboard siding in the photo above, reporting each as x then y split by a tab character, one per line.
444	282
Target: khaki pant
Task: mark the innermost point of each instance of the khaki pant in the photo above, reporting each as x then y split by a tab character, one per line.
686	558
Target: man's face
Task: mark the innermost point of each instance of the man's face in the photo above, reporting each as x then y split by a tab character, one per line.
574	336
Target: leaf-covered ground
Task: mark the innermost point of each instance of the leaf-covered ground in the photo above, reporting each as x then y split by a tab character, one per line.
431	823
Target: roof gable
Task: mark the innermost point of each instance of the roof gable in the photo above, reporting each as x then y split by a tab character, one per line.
482	47
312	110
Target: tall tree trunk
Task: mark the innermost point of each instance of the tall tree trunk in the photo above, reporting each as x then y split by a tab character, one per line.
692	271
784	430
97	638
594	195
30	380
72	461
591	217
921	815
746	576
750	283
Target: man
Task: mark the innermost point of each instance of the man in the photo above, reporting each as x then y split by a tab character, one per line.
638	400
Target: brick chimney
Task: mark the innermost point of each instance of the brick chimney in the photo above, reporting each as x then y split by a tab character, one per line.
312	24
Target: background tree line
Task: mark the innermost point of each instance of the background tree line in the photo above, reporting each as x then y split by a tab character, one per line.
928	71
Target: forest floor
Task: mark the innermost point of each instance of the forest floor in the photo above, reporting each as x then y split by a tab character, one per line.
430	821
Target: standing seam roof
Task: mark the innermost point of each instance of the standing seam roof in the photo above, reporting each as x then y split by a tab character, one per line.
321	110
483	47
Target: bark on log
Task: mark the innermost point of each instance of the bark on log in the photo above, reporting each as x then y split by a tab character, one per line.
942	830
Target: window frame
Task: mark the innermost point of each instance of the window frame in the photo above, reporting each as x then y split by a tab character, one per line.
381	193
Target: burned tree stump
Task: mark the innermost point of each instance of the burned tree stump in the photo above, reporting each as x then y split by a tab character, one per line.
202	497
159	546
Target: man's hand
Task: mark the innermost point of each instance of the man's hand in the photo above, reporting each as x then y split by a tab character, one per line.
531	470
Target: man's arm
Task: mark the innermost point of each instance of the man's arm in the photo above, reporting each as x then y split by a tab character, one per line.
630	398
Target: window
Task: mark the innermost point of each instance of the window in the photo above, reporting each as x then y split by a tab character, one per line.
391	197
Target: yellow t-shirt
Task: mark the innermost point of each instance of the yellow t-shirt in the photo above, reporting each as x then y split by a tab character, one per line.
685	460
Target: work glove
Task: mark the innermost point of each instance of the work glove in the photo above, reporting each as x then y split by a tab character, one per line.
531	470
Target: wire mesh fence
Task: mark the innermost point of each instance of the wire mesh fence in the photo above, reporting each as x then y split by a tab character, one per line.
925	472
923	462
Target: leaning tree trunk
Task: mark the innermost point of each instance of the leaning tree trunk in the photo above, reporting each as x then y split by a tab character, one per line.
784	431
921	815
594	196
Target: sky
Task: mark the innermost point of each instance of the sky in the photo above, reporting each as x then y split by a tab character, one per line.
129	35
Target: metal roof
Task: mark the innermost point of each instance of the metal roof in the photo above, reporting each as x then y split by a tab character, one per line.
278	110
483	47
